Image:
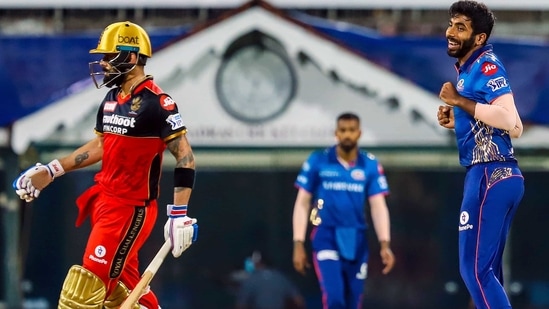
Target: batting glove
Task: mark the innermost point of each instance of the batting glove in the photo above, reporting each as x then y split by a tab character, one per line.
29	184
181	230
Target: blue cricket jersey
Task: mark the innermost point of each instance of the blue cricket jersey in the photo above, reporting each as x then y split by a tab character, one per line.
343	190
482	78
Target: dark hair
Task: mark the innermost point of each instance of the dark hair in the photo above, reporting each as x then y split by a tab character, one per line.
482	19
348	116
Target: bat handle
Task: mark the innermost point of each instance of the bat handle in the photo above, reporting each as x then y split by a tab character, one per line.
159	257
148	274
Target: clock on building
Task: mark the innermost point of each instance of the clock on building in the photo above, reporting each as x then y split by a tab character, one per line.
255	83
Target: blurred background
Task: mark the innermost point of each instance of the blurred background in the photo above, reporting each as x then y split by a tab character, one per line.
259	85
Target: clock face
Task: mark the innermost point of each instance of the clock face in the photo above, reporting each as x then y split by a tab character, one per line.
255	84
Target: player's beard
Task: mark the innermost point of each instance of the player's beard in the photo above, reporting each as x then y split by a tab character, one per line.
347	146
466	46
117	76
113	79
118	68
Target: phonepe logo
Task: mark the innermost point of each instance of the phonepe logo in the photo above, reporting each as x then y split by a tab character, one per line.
100	251
98	255
464	222
134	40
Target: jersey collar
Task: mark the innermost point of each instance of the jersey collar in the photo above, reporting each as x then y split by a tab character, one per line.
332	155
142	84
474	56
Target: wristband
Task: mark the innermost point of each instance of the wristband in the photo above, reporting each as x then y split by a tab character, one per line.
183	177
55	168
174	211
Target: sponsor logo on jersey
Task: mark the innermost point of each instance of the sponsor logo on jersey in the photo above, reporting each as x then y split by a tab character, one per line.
325	255
460	85
489	68
110	106
497	83
119	120
167	102
175	121
98	254
329	173
117	124
463	218
358	174
98	260
100	251
382	182
465	227
363	273
343	186
302	179
463	221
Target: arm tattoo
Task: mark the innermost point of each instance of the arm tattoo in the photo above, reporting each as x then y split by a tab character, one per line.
186	161
173	146
181	150
81	158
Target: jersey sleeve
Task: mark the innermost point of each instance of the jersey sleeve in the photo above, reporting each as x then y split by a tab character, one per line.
99	119
492	80
376	180
107	103
171	122
308	176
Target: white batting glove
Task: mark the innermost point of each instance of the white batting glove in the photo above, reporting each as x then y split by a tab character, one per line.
29	184
180	229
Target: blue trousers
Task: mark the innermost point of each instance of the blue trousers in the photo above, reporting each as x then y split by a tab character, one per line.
491	196
341	278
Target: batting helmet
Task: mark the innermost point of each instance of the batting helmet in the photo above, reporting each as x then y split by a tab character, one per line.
123	36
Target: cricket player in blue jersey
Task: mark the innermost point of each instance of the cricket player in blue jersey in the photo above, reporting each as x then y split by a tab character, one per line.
338	182
481	109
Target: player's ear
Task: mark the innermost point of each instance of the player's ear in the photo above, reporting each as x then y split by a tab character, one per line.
133	58
480	39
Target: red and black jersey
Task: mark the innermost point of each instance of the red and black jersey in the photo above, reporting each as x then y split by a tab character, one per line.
135	130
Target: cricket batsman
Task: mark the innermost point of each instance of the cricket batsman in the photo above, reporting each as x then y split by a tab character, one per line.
136	121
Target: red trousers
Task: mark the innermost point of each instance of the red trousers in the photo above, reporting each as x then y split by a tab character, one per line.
119	229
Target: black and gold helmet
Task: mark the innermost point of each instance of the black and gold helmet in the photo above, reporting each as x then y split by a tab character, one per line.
116	43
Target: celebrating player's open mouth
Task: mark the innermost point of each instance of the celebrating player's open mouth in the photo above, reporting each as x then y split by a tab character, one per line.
453	46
